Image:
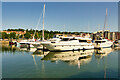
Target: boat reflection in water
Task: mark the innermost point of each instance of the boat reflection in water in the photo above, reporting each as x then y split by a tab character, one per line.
40	53
72	58
103	52
11	48
28	50
101	55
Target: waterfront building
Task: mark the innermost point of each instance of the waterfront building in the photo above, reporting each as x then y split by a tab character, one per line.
106	32
113	37
107	35
17	32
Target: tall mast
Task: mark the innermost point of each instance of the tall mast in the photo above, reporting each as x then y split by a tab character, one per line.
43	23
105	22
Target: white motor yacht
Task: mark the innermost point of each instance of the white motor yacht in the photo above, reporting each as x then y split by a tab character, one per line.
102	43
69	43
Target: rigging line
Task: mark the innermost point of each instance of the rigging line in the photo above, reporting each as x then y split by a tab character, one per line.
38	22
105	22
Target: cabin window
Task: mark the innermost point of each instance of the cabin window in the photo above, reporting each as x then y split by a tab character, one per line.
54	36
65	39
103	41
89	41
99	41
82	40
73	39
82	45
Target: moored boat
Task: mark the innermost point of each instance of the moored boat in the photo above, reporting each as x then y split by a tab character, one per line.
116	43
102	43
27	44
69	43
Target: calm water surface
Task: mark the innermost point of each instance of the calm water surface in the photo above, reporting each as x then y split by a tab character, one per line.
24	63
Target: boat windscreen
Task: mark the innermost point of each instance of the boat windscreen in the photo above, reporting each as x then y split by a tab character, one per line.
99	41
82	40
65	39
73	39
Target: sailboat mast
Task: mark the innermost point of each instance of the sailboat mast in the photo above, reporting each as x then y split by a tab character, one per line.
43	22
105	22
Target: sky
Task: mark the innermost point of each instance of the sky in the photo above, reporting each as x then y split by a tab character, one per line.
60	16
60	0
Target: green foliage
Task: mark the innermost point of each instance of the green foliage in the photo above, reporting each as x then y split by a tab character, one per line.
16	29
38	34
0	35
27	35
13	35
17	36
8	36
21	36
4	35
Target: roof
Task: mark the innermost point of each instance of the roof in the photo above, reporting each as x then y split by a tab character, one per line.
17	32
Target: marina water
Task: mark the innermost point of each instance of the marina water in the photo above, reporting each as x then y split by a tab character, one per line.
25	63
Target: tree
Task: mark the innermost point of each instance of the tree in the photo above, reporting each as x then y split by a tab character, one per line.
4	35
13	35
8	36
37	35
21	36
27	35
17	37
0	35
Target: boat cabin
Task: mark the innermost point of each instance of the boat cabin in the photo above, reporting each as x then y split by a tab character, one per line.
80	39
68	39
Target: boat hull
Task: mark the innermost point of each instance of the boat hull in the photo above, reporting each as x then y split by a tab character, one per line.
103	45
26	46
69	47
36	45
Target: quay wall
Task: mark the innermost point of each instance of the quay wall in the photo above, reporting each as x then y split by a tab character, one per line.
4	42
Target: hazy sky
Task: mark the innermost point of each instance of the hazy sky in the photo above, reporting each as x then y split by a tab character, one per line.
76	16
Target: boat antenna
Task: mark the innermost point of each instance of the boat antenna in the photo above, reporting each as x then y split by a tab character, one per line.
43	22
105	22
64	28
